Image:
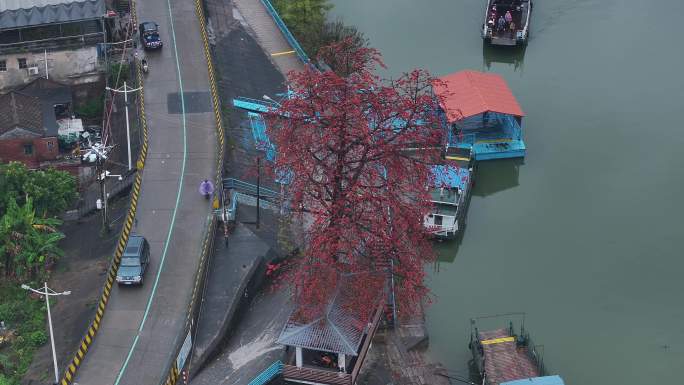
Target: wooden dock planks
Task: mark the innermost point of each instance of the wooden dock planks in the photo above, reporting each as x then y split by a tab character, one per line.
504	360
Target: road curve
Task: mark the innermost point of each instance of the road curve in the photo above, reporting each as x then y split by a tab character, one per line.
138	332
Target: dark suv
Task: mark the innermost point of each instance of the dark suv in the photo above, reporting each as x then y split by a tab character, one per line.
134	261
149	35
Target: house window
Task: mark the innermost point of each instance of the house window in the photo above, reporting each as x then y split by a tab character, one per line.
50	145
28	149
22	63
3	66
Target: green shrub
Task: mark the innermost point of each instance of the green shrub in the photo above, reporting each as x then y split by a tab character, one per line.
92	109
120	71
37	338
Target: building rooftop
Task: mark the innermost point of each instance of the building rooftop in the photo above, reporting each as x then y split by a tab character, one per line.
338	329
20	116
50	94
26	13
469	93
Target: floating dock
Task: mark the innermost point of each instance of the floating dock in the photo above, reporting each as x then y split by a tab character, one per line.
504	357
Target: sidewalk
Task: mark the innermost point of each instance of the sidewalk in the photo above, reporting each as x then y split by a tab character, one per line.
229	283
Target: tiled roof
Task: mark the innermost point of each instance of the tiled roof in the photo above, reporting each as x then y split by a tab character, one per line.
20	111
337	330
50	93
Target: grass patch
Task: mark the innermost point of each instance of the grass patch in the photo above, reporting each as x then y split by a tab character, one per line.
26	330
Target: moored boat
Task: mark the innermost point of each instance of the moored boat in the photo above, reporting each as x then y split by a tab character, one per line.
506	22
450	194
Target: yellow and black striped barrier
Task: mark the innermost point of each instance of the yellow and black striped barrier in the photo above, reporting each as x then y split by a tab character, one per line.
174	371
77	360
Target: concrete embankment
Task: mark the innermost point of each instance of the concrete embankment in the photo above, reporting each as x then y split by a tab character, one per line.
235	271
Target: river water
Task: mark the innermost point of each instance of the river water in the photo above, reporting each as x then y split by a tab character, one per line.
586	235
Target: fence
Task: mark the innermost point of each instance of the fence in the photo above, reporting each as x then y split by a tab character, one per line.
70	373
286	32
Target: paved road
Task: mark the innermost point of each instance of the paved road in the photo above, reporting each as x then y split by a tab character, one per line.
141	325
254	13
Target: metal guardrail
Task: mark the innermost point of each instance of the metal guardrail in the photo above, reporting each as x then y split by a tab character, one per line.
286	32
255	105
69	374
251	201
269	374
249	188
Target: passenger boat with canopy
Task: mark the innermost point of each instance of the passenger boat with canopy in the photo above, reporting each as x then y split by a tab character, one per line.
506	22
450	194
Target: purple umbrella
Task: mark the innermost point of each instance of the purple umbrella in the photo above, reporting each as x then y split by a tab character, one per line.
206	188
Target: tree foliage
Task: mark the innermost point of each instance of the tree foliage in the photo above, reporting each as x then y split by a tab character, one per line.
308	22
52	191
355	182
306	19
27	242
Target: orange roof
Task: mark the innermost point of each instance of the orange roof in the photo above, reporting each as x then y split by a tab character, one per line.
468	93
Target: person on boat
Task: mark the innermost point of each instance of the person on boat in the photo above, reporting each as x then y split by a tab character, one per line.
512	28
508	17
501	24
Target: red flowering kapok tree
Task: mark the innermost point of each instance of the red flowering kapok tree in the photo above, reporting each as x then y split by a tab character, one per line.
357	148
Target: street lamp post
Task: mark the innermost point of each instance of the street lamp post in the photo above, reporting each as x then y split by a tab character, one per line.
126	90
47	292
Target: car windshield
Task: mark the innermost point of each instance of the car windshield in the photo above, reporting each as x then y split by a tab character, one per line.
130	262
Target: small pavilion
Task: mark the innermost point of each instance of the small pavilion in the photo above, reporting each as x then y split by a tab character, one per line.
480	113
329	348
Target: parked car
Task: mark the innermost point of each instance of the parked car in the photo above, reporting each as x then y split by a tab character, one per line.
134	261
149	35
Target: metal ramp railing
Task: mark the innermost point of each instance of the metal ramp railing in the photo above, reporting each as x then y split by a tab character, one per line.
249	188
254	105
268	375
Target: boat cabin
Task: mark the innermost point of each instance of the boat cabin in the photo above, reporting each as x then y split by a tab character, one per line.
480	113
329	348
506	22
450	194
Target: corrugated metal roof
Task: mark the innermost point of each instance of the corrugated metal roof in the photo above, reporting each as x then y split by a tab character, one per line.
338	330
468	93
20	13
547	380
6	5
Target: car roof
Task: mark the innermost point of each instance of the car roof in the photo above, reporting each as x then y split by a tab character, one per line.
134	244
147	25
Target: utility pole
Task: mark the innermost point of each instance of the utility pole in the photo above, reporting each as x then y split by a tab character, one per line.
102	176
47	74
126	90
47	292
258	187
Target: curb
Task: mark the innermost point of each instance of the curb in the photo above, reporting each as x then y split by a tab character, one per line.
70	372
173	373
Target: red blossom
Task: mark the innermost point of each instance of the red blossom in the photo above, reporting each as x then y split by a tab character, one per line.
357	147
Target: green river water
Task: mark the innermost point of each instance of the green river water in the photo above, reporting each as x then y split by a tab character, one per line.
586	236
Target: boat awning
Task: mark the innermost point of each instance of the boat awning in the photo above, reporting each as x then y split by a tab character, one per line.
547	380
468	93
450	176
